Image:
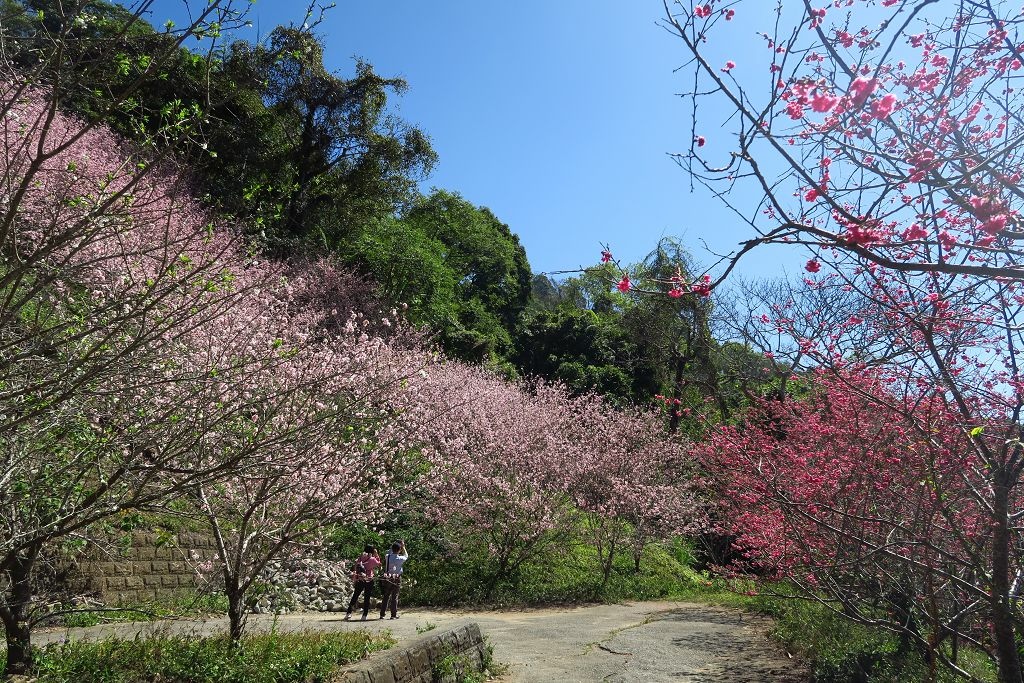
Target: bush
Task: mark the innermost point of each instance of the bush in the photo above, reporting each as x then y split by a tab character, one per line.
260	658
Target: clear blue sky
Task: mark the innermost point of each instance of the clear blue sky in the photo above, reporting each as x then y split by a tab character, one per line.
556	114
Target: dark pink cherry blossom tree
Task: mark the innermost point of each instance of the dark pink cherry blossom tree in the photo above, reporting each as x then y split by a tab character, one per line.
882	137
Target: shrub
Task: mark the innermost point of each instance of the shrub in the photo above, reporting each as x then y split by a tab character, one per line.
259	658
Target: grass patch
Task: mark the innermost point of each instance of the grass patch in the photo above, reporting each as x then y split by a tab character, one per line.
260	658
184	605
461	667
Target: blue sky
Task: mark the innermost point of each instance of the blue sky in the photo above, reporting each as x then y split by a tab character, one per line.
558	115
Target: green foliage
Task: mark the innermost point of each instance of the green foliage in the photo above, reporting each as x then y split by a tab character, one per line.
492	275
633	346
308	154
409	267
461	669
301	153
449	567
587	352
457	667
841	651
627	346
264	658
459	269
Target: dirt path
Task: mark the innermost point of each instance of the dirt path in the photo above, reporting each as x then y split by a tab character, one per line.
644	641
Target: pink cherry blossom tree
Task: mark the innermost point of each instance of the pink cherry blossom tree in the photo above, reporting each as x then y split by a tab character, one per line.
335	411
635	482
109	273
110	377
525	466
502	465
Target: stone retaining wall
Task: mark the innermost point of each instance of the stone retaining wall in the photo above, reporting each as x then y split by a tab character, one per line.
442	657
151	567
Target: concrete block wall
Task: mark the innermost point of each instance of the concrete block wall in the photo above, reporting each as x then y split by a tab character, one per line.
421	660
152	567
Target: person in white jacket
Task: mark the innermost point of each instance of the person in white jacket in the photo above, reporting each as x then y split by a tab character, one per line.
391	578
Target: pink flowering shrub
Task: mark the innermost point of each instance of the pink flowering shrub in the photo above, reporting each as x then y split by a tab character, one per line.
841	493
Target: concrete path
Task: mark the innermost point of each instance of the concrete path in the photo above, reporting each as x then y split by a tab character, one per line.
630	642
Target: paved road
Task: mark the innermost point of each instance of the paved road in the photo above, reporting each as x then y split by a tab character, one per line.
625	643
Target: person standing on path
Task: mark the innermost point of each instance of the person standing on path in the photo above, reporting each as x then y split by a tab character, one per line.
362	580
391	578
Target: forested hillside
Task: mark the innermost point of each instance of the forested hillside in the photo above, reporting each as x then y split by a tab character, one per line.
311	162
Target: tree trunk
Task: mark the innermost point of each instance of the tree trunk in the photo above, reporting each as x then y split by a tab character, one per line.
236	610
1007	655
677	394
15	617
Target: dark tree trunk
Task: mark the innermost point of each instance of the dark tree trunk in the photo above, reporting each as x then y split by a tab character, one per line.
236	610
499	574
15	617
677	394
1007	656
609	563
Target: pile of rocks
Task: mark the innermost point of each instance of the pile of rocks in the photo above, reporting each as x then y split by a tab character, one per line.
304	584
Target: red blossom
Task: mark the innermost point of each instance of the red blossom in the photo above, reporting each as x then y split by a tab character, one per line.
860	89
883	107
822	102
702	287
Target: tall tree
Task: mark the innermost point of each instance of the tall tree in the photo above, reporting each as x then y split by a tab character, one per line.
331	156
457	266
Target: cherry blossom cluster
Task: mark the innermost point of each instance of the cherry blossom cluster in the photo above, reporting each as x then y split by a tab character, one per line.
520	463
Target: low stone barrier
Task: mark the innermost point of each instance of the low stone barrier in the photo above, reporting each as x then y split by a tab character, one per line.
442	657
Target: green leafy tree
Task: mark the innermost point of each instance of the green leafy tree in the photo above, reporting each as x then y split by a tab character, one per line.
624	344
329	156
304	154
409	267
457	266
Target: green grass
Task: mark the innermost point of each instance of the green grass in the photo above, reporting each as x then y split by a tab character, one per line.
306	657
187	604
